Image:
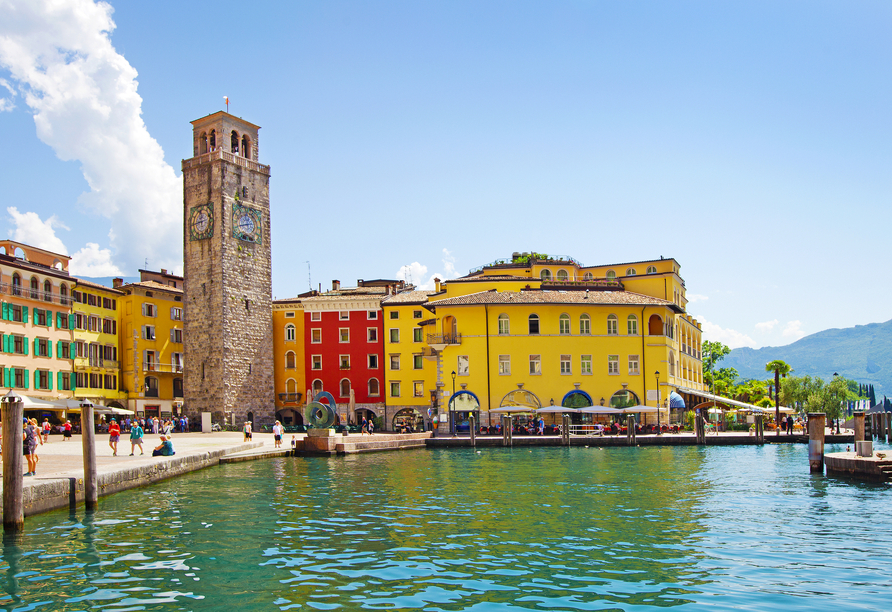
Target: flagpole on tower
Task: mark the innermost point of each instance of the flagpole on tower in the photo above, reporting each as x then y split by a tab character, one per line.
226	99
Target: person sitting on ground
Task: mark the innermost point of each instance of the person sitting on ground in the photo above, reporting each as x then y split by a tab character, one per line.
165	449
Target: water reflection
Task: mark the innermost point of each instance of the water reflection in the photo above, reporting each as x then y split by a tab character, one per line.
512	529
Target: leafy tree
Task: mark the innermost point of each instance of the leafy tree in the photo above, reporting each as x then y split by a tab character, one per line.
711	354
780	368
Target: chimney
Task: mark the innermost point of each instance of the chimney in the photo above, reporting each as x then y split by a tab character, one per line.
163	271
117	283
437	284
335	285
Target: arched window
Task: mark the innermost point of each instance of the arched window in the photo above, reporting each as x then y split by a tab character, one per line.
588	276
345	387
504	325
545	275
534	324
35	287
63	292
373	387
290	360
57	264
631	272
611	275
289	333
317	386
651	269
234	142
47	291
3	250
213	140
655	325
16	284
624	399
203	143
585	325
564	324
632	324
562	275
612	327
246	147
151	386
290	386
19	253
671	363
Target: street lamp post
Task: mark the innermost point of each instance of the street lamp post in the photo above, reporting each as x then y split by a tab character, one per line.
452	406
659	429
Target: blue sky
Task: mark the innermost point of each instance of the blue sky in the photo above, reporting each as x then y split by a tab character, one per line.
749	140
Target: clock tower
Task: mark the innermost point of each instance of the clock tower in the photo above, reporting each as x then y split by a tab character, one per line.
227	333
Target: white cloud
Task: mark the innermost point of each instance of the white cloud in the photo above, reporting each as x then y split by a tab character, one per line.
83	96
412	273
793	330
696	297
415	272
6	104
32	230
730	337
93	261
766	326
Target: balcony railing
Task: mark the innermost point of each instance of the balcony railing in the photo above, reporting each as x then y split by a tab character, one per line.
154	366
87	362
219	153
34	294
454	338
151	393
290	397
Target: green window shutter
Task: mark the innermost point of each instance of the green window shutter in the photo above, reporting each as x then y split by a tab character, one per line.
59	383
49	318
59	348
49	381
58	319
27	378
49	348
73	381
5	311
7	344
25	345
34	316
2	343
36	380
36	347
7	377
25	314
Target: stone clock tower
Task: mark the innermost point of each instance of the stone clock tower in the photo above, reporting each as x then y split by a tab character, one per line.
227	303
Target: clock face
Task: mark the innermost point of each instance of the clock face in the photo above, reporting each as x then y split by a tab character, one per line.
201	222
246	224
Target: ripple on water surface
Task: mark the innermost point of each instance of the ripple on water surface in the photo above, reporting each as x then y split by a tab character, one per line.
503	529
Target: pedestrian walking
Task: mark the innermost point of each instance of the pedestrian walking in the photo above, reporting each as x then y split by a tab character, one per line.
365	426
136	434
46	430
66	431
114	434
247	430
30	438
277	434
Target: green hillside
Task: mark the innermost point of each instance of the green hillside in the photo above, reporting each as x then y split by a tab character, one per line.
862	353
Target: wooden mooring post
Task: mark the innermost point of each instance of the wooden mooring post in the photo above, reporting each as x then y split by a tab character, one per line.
631	440
817	421
13	503
507	434
472	426
565	429
699	428
88	440
858	425
760	429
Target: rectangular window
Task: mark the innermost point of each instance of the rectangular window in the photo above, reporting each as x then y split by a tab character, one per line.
464	366
344	315
373	362
394	389
565	364
504	325
416	335
344	334
394	362
611	325
373	334
148	332
417	362
92	300
62	320
64	381
345	362
373	315
394	335
19	378
535	365
64	351
316	336
585	325
289	315
613	364
394	314
176	335
109	304
504	365
633	365
176	314
17	314
40	317
418	389
176	360
94	324
19	345
633	325
109	326
149	310
42	380
42	348
416	314
585	364
317	362
315	316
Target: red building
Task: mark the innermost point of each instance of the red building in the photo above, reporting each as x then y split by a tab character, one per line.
344	345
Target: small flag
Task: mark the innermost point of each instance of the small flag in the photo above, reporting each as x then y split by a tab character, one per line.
226	99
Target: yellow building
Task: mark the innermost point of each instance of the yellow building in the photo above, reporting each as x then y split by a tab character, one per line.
36	339
288	347
534	330
410	366
95	334
151	346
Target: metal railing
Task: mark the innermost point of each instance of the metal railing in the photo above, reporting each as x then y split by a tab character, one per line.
93	362
290	397
444	338
154	366
35	294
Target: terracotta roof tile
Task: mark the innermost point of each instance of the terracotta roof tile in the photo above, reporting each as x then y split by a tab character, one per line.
408	297
619	298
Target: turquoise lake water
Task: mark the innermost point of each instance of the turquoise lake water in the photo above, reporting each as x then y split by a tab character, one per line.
503	529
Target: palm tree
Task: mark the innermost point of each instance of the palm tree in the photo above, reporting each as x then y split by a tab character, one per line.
780	368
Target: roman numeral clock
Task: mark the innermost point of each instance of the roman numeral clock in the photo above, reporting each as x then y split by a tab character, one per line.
247	223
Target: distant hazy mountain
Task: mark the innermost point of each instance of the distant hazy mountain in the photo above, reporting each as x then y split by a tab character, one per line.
862	353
